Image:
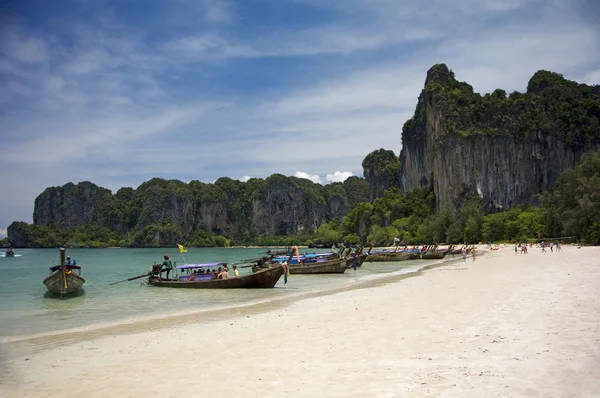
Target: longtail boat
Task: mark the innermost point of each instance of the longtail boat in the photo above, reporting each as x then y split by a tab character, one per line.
63	280
357	258
435	253
264	278
392	256
335	266
330	264
459	251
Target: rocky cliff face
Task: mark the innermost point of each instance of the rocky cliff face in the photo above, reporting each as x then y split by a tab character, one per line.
161	212
282	207
498	147
68	206
380	169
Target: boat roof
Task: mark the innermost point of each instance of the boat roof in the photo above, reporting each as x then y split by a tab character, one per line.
205	265
57	267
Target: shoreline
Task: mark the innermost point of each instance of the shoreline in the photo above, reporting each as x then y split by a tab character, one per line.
168	319
504	325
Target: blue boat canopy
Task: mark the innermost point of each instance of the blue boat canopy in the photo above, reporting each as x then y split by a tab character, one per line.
207	265
57	267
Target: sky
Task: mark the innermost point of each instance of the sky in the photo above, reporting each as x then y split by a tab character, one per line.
117	92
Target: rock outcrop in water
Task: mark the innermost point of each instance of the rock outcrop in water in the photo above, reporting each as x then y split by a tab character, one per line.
505	149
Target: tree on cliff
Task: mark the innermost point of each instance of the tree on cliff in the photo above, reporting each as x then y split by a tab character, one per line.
578	198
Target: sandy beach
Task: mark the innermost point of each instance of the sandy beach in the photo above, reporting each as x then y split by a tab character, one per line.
505	325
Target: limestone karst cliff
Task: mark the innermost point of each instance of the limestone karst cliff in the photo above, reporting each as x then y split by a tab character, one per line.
380	170
505	149
161	212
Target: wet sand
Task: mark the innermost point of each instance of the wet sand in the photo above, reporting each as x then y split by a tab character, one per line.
505	325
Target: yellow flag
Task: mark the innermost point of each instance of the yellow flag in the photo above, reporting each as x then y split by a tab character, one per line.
181	249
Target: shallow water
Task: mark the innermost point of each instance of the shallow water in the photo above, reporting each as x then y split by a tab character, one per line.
26	308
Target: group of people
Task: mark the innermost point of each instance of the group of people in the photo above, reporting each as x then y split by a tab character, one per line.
554	246
463	253
220	273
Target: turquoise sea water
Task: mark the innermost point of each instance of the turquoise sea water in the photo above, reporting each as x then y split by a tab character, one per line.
26	309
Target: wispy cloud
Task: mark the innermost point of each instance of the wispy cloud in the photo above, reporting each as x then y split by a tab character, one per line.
203	89
3	233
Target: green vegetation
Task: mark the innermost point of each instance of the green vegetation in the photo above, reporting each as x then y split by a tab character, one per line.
381	168
552	105
573	209
281	210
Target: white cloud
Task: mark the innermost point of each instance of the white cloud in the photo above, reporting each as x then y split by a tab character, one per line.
338	176
115	99
314	178
245	178
3	233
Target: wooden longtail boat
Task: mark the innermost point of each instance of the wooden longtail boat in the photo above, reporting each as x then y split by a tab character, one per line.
261	279
434	254
63	280
356	258
459	251
335	266
398	256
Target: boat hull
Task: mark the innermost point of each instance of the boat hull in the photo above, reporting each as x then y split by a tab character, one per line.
359	261
374	258
337	266
434	255
263	279
70	284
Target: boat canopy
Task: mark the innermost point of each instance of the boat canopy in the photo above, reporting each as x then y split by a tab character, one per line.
57	267
207	265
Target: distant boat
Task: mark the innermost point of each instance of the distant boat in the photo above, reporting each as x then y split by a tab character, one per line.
9	252
264	278
64	279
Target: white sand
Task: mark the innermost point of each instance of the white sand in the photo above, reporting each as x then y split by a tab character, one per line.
506	325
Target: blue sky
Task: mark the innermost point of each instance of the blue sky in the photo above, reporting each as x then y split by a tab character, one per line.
116	92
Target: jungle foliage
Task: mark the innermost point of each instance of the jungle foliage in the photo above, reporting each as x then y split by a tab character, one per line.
551	105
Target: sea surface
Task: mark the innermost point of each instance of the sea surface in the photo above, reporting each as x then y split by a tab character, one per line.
26	309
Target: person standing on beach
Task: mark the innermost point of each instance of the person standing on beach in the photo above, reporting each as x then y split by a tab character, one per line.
473	253
516	250
543	247
463	252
